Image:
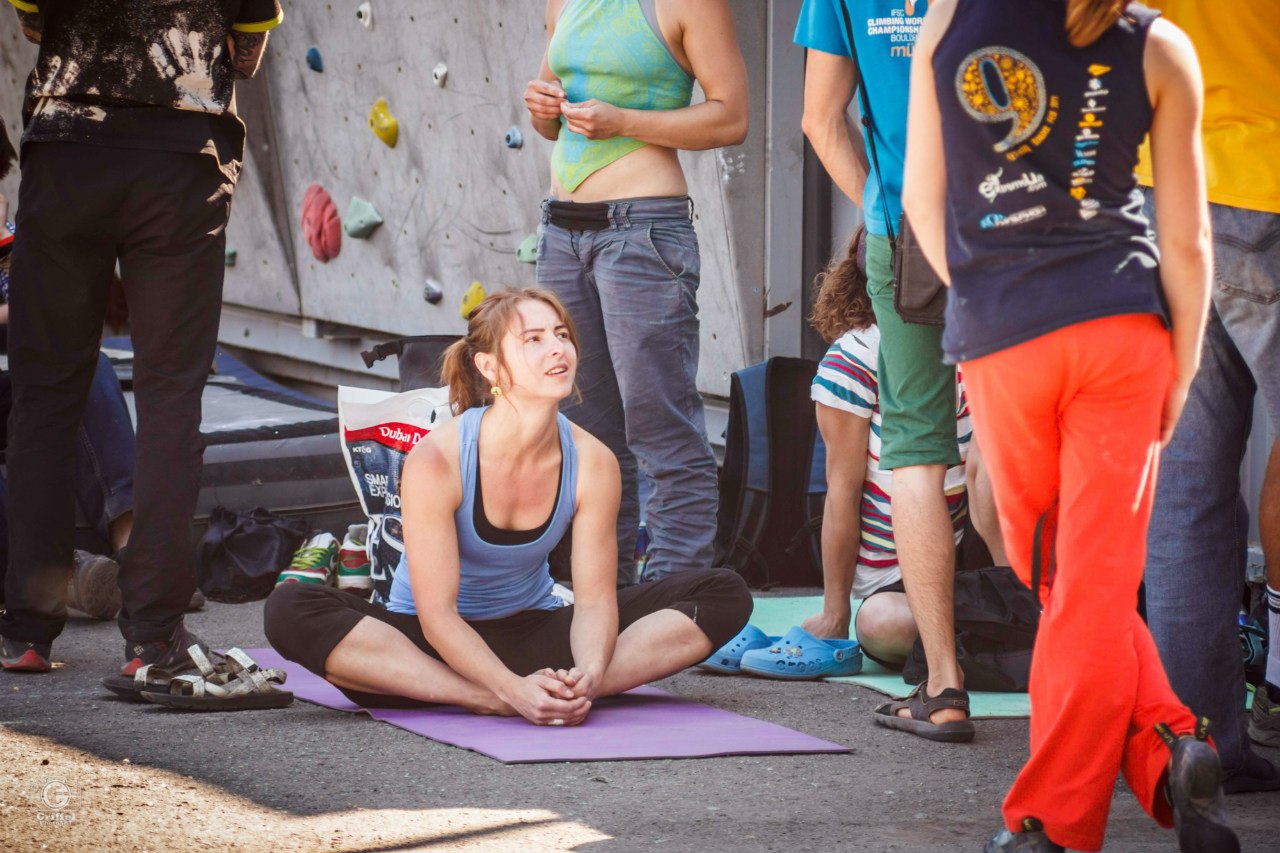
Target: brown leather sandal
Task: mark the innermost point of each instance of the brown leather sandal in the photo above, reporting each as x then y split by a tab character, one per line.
921	706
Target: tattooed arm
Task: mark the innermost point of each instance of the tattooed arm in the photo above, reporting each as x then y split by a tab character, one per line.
31	25
246	52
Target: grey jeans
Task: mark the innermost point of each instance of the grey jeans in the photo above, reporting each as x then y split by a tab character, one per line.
632	289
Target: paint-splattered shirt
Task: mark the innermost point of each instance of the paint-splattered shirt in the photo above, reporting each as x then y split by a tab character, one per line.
152	74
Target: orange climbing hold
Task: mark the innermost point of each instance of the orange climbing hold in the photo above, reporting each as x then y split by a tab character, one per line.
383	123
320	224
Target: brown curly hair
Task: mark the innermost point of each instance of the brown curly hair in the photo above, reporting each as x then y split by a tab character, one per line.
842	303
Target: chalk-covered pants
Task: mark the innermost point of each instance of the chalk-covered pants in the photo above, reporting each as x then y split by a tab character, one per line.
632	291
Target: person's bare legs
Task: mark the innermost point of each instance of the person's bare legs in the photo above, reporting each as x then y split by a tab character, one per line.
658	645
376	658
120	528
982	505
886	628
927	554
1269	519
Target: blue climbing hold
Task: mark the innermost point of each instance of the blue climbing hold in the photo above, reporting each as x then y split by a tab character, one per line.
513	139
314	62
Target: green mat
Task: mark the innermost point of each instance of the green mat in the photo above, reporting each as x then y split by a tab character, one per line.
777	614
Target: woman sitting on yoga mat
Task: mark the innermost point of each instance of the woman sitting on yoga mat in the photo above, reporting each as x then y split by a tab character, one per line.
471	619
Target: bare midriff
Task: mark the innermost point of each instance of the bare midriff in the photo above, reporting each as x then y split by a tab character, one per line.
648	172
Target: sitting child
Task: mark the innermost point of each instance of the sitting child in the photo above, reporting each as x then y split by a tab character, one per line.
859	560
472	620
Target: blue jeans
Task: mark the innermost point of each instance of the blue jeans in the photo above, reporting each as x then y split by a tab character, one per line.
632	289
1196	541
104	460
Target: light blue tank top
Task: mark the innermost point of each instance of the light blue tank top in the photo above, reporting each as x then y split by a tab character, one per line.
499	580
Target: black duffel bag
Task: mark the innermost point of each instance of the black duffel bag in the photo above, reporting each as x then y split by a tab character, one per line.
242	553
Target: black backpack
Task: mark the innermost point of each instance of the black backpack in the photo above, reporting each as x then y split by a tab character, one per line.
773	482
996	621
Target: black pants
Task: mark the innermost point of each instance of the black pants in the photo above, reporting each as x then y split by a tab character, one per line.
163	216
305	622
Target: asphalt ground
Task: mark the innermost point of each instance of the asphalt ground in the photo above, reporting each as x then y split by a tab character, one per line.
82	771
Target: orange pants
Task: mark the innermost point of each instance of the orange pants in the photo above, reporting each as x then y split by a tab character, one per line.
1072	418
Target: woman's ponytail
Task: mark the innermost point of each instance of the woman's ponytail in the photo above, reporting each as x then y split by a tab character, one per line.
1087	20
467	388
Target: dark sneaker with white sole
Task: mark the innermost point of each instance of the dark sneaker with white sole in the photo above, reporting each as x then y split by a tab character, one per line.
1264	719
1194	789
159	661
1030	838
17	656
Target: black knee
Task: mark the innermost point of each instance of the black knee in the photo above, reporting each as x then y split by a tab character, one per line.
724	604
286	615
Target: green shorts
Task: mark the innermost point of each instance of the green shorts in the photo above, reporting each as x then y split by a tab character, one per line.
917	391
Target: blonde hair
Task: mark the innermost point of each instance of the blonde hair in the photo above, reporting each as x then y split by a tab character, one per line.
1087	20
842	303
468	388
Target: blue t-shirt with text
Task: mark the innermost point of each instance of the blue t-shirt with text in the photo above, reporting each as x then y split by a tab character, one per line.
884	33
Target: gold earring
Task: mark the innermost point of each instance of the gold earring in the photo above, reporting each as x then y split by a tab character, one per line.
495	391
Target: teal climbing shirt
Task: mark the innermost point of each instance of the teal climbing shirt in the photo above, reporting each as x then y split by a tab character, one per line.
613	51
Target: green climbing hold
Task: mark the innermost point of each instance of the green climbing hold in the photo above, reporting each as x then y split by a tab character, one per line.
527	253
229	257
362	219
471	299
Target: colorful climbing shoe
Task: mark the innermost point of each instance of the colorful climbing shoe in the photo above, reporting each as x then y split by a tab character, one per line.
313	562
432	292
514	138
471	299
362	219
527	252
354	567
320	224
383	123
314	61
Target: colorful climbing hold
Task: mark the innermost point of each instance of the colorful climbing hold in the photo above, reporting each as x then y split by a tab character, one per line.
383	123
440	74
527	252
514	138
471	299
314	62
229	257
364	14
320	225
432	292
362	219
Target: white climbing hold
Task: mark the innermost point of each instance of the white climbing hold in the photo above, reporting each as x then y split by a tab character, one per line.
439	74
364	14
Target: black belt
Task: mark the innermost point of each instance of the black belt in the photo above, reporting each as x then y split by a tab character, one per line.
588	216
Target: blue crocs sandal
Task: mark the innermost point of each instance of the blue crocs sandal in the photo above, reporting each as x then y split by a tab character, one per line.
728	658
800	656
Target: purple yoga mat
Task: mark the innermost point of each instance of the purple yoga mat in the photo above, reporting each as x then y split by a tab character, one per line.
642	723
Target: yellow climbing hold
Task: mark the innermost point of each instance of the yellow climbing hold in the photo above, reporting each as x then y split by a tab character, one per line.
471	299
383	123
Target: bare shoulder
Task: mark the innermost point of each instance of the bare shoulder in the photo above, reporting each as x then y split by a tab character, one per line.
554	8
598	473
936	22
435	460
1170	60
704	13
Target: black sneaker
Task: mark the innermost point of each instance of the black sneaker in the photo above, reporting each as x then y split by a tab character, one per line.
17	656
1194	790
1030	838
170	655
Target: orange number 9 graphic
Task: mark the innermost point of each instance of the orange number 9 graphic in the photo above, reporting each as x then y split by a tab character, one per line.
998	84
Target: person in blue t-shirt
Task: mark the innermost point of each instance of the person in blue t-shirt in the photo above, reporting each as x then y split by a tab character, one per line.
869	44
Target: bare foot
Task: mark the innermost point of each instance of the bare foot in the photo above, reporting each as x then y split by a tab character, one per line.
828	626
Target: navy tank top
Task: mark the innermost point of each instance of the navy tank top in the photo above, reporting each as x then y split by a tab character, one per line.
1044	215
496	579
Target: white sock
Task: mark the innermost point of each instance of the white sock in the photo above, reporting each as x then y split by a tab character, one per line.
1273	628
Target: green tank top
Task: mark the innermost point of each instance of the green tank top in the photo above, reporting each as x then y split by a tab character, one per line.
613	51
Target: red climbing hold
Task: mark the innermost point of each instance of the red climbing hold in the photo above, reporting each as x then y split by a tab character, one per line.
320	224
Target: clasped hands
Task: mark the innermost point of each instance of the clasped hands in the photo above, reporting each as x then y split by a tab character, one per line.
551	697
594	119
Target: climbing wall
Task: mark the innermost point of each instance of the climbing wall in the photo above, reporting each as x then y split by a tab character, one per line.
453	199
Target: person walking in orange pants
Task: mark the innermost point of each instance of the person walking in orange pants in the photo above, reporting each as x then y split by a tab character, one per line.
1078	345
